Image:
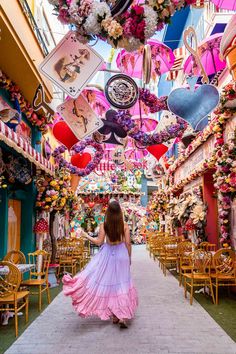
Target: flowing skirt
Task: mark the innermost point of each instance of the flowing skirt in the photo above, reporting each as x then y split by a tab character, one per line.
105	286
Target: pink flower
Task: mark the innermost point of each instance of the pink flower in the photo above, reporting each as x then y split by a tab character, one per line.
224	188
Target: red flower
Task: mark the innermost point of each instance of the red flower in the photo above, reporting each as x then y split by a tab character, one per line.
139	10
140	30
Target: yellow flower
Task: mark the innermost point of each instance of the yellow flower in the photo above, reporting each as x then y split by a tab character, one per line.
53	183
63	200
48	199
115	30
54	197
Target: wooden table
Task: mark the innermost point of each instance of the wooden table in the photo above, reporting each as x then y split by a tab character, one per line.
23	268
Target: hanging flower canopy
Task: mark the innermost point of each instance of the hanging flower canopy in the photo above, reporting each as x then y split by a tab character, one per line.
161	55
119	26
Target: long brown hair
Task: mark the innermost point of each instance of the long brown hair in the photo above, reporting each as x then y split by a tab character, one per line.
114	222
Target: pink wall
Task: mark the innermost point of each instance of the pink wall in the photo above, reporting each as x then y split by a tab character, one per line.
212	212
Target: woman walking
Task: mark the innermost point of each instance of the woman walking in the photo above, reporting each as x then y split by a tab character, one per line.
104	288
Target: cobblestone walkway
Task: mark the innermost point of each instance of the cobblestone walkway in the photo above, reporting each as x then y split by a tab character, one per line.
165	323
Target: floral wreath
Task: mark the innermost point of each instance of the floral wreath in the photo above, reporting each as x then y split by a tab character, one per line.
124	118
128	30
78	149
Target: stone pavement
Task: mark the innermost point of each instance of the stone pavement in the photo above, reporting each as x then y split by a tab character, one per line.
165	323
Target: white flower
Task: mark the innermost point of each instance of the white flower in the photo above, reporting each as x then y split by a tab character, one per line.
100	11
150	20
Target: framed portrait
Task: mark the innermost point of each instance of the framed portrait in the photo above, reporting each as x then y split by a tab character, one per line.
80	117
71	65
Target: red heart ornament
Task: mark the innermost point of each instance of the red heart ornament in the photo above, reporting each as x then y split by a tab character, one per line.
81	160
64	134
157	150
91	204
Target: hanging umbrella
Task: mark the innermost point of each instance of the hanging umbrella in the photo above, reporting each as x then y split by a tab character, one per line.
131	63
97	100
225	4
209	51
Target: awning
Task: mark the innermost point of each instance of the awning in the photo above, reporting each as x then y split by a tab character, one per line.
179	57
10	138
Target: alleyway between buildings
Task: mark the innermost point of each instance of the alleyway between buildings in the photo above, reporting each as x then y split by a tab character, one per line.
165	323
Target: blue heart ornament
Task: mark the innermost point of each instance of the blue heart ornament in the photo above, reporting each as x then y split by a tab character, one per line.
193	106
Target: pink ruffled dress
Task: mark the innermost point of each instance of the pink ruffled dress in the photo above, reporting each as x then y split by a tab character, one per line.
105	286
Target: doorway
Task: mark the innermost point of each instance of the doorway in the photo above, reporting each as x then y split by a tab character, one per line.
14	225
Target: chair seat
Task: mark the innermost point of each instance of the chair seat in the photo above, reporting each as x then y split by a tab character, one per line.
8	299
197	276
186	267
170	258
32	282
223	276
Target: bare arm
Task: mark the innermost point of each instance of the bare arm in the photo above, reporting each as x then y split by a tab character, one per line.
127	240
96	240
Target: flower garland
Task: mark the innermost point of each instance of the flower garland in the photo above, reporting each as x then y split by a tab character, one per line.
79	148
225	183
40	121
124	118
154	103
129	30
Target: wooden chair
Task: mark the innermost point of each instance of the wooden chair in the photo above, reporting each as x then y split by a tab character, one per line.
224	269
10	296
200	273
203	246
67	260
168	257
16	257
184	251
39	275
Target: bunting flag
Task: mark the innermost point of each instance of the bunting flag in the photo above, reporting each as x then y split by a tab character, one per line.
179	57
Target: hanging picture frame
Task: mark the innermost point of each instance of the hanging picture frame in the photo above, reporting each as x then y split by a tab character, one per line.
80	117
71	65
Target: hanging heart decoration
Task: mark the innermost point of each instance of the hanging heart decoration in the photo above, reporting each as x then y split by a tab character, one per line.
193	106
79	148
81	160
64	134
157	150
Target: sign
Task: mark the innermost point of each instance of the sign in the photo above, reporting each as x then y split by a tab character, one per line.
230	129
71	65
195	183
204	152
80	117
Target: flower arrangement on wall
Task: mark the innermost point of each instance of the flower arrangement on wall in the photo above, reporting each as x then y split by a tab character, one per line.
189	212
159	202
53	192
129	29
221	114
225	183
40	121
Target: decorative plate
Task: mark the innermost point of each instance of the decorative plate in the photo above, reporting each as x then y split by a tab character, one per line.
121	91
